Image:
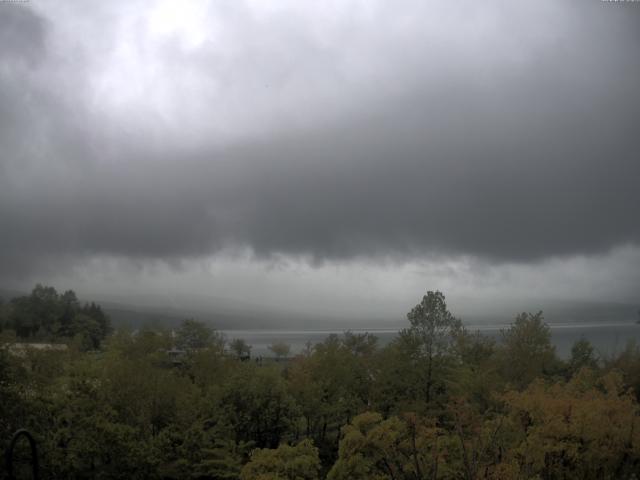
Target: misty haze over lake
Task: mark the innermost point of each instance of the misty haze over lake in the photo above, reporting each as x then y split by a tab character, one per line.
607	339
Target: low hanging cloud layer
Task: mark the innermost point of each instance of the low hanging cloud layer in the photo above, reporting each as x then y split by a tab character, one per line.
501	131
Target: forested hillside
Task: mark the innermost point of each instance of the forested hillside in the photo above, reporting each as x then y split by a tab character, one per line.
439	402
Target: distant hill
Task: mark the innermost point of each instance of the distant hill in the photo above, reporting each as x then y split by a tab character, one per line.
591	312
134	316
227	314
7	294
563	311
220	313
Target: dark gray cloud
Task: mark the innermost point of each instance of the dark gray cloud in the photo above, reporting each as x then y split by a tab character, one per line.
21	35
518	143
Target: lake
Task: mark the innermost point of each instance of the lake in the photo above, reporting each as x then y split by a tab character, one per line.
607	339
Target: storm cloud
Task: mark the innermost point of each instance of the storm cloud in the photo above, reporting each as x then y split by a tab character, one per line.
356	130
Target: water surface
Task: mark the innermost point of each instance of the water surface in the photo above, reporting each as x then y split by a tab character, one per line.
607	339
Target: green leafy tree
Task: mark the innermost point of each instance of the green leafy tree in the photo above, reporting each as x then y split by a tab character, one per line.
240	348
194	335
12	405
145	394
332	385
208	368
86	332
3	314
256	403
360	344
586	429
628	364
431	339
204	450
280	350
24	319
526	351
70	307
477	376
398	378
143	344
298	462
582	355
373	448
95	311
47	315
44	304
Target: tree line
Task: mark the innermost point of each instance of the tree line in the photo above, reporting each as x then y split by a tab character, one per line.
438	402
46	315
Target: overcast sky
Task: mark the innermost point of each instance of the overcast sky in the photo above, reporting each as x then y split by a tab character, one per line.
340	157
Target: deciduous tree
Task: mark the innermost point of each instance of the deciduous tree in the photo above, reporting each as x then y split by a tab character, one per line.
298	462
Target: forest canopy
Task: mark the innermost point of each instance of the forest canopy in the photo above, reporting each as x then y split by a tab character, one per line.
46	315
438	402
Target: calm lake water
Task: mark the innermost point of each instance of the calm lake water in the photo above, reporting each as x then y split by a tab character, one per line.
606	339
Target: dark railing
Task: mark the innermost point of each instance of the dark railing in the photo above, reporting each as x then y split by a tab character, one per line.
11	447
